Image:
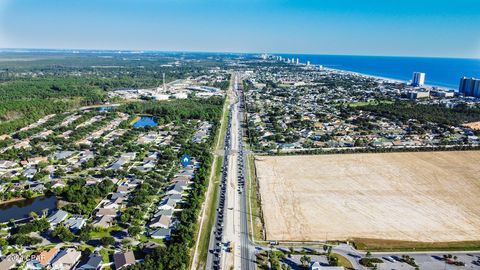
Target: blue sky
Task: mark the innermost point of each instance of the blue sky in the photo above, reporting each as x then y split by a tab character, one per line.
360	27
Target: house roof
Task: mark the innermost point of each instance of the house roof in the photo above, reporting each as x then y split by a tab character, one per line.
123	259
161	232
176	197
117	195
94	261
167	212
47	255
7	264
67	256
176	187
63	154
57	217
103	221
106	212
170	202
161	221
74	223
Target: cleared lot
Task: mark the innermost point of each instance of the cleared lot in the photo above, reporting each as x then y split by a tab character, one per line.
422	196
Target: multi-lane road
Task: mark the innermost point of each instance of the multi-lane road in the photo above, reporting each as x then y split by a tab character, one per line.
230	245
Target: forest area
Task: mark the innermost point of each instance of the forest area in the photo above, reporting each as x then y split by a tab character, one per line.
404	110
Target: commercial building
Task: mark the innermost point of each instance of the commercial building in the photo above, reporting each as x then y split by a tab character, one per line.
418	79
418	94
469	87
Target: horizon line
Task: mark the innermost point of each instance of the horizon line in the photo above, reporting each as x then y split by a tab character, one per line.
229	52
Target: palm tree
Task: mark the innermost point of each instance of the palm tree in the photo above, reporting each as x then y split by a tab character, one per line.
33	215
44	212
305	260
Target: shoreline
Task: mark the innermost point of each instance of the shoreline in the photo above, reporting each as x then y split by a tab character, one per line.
384	70
13	200
382	78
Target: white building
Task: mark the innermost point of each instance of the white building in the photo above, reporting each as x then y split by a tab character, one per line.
418	79
470	87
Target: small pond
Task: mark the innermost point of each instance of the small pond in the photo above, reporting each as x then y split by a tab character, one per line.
21	209
145	121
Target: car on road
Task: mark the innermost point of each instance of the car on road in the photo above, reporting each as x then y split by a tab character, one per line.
388	258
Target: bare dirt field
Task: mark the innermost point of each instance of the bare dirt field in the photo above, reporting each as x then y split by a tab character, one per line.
421	196
473	125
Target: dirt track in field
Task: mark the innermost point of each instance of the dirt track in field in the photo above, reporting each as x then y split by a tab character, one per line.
422	196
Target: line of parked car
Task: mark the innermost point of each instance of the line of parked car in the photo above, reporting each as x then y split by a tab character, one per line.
218	242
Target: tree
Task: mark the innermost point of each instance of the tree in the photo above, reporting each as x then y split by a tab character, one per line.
368	255
333	261
45	212
63	233
3	244
305	260
84	234
134	231
33	215
107	241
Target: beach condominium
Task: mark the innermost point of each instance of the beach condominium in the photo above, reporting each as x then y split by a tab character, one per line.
469	87
418	79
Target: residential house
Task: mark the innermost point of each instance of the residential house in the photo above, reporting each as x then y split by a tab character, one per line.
161	233
5	164
117	195
123	259
66	259
176	197
8	263
37	187
75	223
94	262
30	172
43	259
168	212
57	217
175	189
106	212
58	184
63	155
167	204
103	221
162	221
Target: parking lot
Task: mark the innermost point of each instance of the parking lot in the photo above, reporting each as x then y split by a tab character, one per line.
430	262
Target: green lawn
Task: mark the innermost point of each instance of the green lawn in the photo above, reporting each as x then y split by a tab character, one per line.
392	245
99	232
342	261
365	103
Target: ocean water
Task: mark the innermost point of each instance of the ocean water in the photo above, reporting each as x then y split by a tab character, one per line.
445	72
